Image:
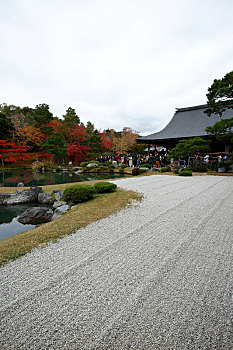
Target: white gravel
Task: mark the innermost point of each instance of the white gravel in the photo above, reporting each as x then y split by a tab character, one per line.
157	275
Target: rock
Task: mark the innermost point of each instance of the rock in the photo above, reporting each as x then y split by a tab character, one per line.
91	165
58	195
58	204
60	211
36	215
155	169
3	197
24	196
78	172
77	168
20	184
172	166
221	170
45	198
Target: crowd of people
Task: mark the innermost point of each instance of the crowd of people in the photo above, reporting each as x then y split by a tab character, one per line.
159	159
156	159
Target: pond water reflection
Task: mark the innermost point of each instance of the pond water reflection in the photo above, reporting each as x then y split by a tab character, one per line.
9	224
11	178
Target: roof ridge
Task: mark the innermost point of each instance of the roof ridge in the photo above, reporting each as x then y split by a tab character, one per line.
183	109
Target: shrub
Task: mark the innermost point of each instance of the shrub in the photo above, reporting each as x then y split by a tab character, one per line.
142	170
145	165
123	166
135	171
46	165
185	173
200	168
121	171
84	164
104	187
102	168
110	166
164	169
175	171
78	193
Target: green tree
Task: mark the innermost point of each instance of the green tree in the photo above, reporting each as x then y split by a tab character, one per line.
71	118
56	146
9	110
90	128
219	99
189	147
223	130
42	115
220	95
6	127
92	139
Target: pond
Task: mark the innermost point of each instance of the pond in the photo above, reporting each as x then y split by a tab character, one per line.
11	178
9	224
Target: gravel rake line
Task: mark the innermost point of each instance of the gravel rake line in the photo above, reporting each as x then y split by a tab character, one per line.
141	302
174	266
65	273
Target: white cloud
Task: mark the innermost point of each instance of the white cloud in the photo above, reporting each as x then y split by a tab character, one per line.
119	63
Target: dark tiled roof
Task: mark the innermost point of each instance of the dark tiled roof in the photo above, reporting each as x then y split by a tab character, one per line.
186	122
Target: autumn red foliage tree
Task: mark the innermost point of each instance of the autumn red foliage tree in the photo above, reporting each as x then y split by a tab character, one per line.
74	137
10	152
106	142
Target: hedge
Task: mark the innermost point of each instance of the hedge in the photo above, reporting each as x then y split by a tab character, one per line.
78	193
186	173
104	187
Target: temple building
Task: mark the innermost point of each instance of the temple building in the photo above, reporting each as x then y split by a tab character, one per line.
188	123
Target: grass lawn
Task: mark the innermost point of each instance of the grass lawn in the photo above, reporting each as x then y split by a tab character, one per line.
79	216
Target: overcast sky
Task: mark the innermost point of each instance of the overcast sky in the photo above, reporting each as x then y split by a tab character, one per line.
118	63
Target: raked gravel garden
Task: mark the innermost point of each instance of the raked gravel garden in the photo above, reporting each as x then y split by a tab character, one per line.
156	275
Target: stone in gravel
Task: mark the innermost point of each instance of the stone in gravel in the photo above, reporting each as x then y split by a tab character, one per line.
36	215
221	170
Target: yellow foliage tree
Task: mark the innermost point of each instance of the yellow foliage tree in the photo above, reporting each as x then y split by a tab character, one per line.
124	141
28	136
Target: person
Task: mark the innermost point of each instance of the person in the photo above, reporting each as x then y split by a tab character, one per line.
135	160
157	161
219	158
116	158
207	159
130	161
